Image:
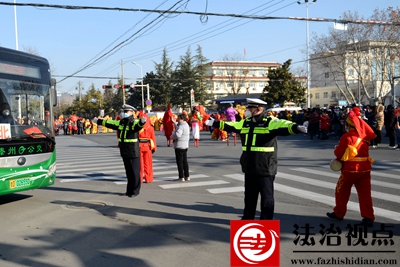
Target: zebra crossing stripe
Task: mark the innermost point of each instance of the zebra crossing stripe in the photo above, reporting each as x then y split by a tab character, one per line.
164	167
236	176
102	177
304	180
172	178
165	172
336	176
331	201
226	190
89	168
192	184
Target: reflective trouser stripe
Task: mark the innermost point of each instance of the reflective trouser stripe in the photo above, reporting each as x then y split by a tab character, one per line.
128	140
259	149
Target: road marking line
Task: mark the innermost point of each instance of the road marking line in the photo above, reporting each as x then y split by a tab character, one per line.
304	180
192	184
165	172
226	190
236	176
336	176
172	178
331	201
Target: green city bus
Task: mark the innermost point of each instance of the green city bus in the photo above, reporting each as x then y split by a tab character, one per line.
27	143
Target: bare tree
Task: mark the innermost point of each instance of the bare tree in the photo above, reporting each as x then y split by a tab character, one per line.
361	60
234	74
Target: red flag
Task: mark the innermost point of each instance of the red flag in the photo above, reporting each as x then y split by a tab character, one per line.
244	51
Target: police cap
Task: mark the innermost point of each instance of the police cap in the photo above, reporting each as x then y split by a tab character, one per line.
254	102
128	107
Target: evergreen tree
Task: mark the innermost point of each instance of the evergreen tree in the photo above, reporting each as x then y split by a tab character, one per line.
282	87
161	86
184	80
200	91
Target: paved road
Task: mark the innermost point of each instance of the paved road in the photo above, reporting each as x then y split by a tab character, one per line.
304	174
84	221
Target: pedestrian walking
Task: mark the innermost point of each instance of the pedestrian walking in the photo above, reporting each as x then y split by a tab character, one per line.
390	122
148	145
181	137
353	152
258	133
168	124
195	121
380	122
129	146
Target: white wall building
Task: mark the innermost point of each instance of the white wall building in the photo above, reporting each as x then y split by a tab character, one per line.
353	67
240	77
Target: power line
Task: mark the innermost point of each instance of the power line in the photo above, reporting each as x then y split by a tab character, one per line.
192	39
114	49
162	12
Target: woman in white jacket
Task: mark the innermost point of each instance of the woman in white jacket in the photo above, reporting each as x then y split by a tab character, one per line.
181	144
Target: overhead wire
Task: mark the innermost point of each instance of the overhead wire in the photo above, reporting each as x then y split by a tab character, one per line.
113	50
189	40
180	42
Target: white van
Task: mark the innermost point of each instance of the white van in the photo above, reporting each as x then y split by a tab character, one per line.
291	109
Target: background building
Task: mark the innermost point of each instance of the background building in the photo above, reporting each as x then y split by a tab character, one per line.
355	73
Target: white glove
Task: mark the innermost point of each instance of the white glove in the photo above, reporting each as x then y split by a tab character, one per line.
209	122
143	120
302	128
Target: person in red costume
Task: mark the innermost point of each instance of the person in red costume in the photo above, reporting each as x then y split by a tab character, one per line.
168	124
147	143
353	152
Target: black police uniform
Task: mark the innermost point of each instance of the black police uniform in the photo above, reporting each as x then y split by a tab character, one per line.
259	159
129	148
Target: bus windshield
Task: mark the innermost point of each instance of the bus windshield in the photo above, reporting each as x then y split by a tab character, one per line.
25	109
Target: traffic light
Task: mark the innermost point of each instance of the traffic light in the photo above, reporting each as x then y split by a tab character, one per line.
107	86
124	86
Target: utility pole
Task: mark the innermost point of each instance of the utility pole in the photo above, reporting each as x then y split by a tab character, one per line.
306	2
123	90
80	89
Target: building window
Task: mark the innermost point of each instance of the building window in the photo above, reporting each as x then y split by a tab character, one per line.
350	72
350	61
373	68
218	72
325	94
333	94
364	61
261	73
261	84
326	74
316	95
251	72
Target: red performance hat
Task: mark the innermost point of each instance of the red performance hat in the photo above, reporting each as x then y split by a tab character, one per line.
363	129
357	111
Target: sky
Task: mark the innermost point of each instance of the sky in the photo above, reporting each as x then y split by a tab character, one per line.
71	39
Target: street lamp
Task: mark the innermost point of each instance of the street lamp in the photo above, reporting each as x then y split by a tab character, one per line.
141	75
308	51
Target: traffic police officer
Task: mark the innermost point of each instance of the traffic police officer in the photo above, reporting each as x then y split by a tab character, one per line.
128	145
258	133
